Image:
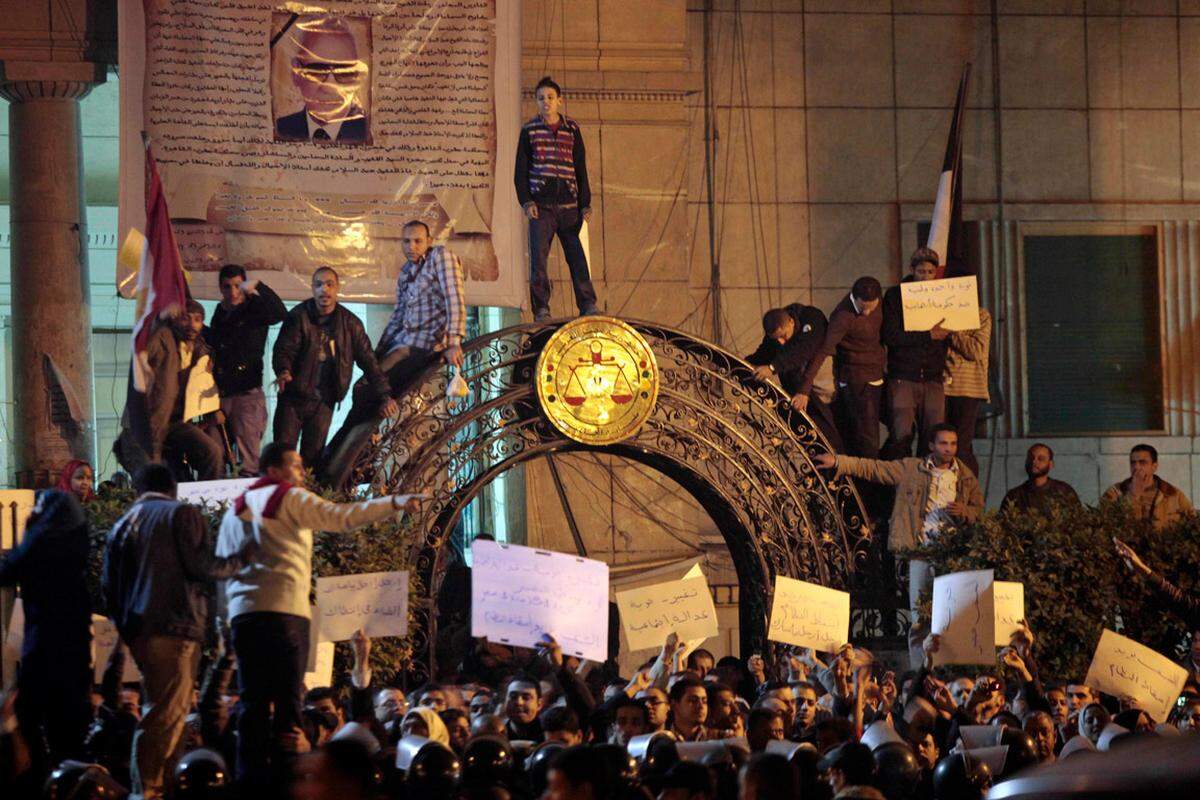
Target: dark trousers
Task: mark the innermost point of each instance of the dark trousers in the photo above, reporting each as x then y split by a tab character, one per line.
963	414
858	406
821	413
305	422
912	404
272	652
187	441
54	706
402	367
564	222
245	421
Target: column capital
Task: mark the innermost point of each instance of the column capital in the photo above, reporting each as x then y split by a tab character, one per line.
23	81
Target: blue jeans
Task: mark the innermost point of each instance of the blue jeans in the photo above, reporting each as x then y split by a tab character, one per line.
272	653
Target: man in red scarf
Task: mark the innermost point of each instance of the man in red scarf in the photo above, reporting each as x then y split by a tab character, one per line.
268	598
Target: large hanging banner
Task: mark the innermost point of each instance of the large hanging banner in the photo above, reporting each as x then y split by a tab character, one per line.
296	135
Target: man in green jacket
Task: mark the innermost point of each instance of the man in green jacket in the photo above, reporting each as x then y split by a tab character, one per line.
933	494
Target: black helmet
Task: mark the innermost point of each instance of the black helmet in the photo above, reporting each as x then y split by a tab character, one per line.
897	773
1022	751
622	767
434	766
486	761
75	780
954	779
537	766
200	774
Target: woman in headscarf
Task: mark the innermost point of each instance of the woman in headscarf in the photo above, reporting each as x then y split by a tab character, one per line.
54	682
77	478
425	722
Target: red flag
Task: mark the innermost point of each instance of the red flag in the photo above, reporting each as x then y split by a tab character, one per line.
161	287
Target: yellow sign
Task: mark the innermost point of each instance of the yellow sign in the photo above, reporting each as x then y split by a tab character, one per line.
597	380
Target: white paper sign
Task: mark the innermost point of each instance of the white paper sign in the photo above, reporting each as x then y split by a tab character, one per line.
321	673
1010	610
213	493
690	644
1122	667
964	615
377	602
954	302
15	505
809	615
104	640
650	613
518	594
200	395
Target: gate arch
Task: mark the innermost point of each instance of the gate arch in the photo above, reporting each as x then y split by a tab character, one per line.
730	440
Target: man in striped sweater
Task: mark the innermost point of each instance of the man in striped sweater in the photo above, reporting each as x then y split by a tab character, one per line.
552	186
269	598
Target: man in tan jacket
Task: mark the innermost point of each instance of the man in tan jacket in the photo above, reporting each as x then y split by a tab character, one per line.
933	494
1152	498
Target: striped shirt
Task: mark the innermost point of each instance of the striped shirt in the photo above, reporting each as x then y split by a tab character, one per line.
430	312
551	164
967	360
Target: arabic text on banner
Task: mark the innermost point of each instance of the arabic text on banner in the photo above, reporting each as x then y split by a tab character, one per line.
964	615
377	602
650	613
808	615
954	302
1122	667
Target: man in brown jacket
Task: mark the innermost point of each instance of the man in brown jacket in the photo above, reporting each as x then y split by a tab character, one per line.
933	494
1152	498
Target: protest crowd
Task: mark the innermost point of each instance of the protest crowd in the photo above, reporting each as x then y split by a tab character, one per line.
217	622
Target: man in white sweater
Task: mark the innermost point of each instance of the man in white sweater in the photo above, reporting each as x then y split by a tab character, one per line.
268	599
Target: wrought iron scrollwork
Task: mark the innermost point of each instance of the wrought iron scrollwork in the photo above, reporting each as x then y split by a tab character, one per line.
731	440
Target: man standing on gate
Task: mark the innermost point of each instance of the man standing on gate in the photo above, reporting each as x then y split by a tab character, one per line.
552	186
237	335
429	319
314	356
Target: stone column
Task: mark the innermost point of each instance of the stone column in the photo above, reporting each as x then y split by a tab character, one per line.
52	364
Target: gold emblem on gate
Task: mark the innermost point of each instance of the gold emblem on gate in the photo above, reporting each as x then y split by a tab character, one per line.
597	380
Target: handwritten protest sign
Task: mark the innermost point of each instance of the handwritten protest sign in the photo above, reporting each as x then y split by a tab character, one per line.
691	644
15	505
964	615
1010	610
200	395
518	594
104	640
1123	667
377	602
321	673
213	493
809	615
954	302
650	613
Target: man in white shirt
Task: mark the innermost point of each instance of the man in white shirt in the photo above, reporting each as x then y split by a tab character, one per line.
268	599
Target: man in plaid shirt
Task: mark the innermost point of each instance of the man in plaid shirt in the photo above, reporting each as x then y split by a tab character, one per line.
428	322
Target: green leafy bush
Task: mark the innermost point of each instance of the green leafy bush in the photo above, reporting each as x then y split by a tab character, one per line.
1075	584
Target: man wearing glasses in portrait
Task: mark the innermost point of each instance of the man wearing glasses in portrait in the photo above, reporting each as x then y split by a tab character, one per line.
329	74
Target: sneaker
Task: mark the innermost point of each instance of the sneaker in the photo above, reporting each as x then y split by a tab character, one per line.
590	311
541	315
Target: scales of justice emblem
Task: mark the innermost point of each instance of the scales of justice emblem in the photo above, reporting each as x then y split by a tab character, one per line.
597	380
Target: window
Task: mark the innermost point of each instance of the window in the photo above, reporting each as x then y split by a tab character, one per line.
1092	341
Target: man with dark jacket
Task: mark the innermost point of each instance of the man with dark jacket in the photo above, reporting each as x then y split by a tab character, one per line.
552	186
1040	492
54	682
314	356
792	338
852	341
237	335
916	363
154	428
158	569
